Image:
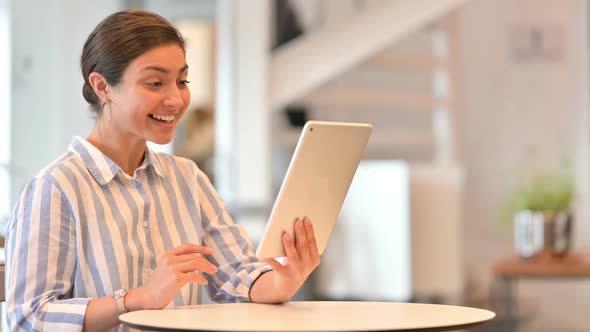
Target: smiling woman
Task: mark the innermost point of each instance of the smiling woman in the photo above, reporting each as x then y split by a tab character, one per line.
148	101
141	86
112	226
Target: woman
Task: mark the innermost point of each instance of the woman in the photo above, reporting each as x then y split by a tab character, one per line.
111	226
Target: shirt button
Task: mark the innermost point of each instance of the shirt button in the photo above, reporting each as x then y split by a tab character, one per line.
145	224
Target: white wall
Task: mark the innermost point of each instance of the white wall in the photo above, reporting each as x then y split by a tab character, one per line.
508	106
47	103
4	108
242	147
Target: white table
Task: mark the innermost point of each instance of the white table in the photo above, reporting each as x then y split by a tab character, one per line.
309	316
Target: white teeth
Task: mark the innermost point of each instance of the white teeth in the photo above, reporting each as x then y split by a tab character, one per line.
167	118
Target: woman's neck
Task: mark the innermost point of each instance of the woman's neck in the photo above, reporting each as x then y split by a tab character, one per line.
126	152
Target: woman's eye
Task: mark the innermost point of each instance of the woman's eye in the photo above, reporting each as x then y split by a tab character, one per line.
154	84
183	82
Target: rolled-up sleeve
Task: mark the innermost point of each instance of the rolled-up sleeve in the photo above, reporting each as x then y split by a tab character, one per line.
233	252
41	258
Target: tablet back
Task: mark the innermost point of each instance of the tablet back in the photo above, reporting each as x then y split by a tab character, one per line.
317	180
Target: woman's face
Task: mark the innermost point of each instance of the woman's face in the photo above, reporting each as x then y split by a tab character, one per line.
152	95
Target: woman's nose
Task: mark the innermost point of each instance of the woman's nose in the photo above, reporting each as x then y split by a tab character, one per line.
174	98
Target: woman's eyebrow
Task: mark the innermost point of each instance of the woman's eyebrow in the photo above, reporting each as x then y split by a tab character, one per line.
164	70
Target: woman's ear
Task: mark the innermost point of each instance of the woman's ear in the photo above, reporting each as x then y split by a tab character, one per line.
100	86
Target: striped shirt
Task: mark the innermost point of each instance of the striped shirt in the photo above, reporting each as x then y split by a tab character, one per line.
83	229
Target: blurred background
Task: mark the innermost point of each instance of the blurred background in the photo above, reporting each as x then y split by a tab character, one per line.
471	101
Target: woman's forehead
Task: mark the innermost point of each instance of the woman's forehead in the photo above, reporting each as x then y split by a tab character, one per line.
168	59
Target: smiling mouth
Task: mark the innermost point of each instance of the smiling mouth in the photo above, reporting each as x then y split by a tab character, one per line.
163	118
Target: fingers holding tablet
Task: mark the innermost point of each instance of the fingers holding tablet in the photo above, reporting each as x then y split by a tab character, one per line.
290	249
301	240
305	244
313	245
302	257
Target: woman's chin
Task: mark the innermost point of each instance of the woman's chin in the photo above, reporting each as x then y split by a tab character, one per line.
162	140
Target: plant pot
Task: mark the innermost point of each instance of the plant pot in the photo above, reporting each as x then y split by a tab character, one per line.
537	232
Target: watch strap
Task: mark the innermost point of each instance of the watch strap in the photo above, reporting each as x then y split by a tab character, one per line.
120	300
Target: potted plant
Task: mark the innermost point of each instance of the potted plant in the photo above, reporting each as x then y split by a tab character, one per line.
541	212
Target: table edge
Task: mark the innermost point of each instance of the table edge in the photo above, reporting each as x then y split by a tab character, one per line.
428	329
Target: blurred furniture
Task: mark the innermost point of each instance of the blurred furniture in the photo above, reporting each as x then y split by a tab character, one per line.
436	196
507	271
310	316
368	255
398	237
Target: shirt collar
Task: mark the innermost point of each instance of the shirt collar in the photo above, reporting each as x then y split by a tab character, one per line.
102	168
153	160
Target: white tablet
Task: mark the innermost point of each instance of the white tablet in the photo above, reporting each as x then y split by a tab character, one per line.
317	180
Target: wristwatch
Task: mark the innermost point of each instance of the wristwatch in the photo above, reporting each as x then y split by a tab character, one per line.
119	296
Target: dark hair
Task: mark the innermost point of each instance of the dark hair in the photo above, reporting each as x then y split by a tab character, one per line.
117	41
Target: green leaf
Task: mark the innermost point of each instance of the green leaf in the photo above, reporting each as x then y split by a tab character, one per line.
553	192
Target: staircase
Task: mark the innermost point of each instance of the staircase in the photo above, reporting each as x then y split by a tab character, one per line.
390	63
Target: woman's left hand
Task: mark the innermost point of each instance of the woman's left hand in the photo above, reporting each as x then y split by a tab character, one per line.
302	258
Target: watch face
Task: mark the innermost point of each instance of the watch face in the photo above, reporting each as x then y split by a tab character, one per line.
120	293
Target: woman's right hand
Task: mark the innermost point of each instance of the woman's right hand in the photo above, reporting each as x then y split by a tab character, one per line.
176	268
